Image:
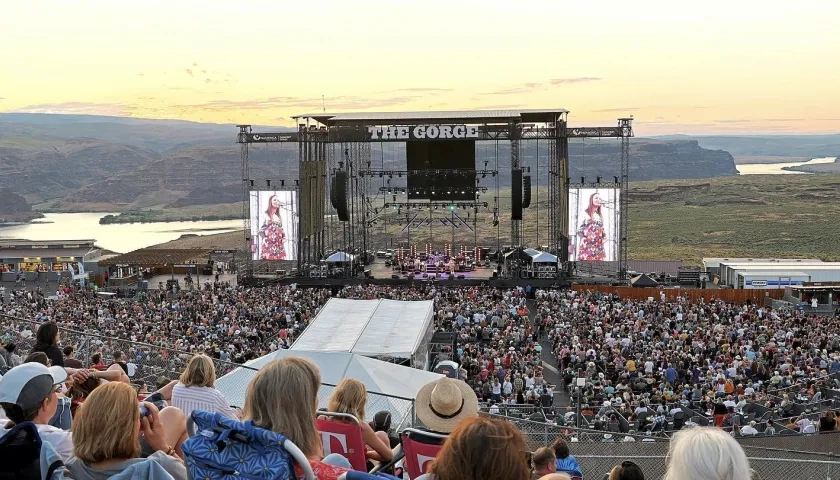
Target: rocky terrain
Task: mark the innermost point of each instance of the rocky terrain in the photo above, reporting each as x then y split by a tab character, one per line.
15	208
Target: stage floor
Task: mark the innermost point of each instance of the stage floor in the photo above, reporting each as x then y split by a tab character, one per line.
378	270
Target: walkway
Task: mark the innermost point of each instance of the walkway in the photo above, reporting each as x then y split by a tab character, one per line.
551	370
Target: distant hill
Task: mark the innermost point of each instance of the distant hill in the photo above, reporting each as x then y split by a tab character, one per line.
95	163
15	208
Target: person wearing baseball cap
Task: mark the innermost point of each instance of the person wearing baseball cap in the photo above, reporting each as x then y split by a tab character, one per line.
28	393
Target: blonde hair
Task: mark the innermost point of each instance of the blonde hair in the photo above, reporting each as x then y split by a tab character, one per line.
706	453
105	426
349	396
200	372
283	397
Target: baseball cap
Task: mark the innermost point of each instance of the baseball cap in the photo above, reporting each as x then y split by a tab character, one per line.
28	384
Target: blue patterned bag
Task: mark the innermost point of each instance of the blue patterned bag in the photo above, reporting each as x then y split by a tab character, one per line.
224	449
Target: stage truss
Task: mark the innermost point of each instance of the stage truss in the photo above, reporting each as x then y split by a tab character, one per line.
326	147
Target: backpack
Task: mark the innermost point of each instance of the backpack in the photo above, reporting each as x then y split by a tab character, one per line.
224	449
21	452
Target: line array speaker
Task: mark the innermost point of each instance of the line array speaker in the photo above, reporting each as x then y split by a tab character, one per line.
526	191
338	195
516	194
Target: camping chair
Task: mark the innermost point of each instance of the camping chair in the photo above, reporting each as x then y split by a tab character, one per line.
419	455
343	438
219	450
354	475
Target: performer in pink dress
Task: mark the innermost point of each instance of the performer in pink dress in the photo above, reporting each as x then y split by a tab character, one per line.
272	235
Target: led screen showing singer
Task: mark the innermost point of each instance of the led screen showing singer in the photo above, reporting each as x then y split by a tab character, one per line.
593	224
274	225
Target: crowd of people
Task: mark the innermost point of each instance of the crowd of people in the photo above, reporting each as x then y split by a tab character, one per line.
653	359
645	361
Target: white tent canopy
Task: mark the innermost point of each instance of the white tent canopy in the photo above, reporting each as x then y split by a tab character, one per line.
373	328
379	377
542	257
340	257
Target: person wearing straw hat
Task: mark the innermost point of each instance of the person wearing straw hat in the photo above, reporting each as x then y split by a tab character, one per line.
442	404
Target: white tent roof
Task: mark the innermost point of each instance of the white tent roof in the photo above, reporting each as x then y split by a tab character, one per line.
378	376
338	257
542	257
372	328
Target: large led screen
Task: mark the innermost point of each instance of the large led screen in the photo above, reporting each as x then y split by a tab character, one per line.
594	224
274	225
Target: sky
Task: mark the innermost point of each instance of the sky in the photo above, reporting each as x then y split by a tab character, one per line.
738	66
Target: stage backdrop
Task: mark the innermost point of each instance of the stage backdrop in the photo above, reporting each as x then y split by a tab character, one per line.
594	224
274	225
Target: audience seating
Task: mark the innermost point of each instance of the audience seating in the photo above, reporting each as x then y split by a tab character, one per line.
419	455
343	438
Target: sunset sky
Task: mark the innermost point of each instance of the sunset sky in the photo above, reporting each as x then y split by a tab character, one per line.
714	67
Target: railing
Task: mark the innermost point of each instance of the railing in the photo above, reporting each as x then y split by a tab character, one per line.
154	361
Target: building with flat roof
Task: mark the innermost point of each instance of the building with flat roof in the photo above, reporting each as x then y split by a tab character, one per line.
45	259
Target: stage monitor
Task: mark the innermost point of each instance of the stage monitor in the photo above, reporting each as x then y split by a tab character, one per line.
274	225
430	170
594	223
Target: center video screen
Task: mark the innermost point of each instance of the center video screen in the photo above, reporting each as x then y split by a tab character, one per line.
424	183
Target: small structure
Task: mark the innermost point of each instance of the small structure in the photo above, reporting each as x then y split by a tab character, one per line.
129	267
815	296
45	260
643	281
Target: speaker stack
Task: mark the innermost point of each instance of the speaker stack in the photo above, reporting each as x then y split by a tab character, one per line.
338	195
526	191
516	194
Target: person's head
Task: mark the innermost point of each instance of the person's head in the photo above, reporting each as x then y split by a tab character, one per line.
595	203
118	356
626	471
556	476
444	403
47	334
544	461
200	372
38	357
482	448
96	359
10	347
561	448
283	397
110	412
382	421
28	392
349	396
273	207
69	351
706	453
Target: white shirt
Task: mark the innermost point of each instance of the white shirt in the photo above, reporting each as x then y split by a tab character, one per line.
61	440
206	399
748	430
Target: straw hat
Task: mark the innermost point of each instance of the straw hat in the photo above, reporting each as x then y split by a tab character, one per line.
442	404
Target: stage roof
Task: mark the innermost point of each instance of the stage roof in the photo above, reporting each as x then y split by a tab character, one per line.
373	328
408	118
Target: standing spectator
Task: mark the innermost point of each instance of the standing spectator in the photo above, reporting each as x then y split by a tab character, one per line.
118	360
626	471
46	340
97	363
70	358
196	389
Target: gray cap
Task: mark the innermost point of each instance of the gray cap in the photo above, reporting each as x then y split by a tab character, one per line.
28	384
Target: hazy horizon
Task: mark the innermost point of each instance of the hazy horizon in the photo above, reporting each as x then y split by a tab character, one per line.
717	68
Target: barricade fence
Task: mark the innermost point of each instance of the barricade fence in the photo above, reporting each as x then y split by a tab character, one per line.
153	364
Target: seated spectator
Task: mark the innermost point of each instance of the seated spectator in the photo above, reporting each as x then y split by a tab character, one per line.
29	393
749	430
350	396
443	404
706	453
481	448
556	476
566	463
8	358
626	471
544	462
283	397
382	423
70	358
828	422
106	436
196	390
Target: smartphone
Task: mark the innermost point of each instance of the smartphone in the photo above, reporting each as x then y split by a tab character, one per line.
144	412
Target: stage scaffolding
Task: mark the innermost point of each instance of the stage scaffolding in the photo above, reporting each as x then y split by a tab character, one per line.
332	143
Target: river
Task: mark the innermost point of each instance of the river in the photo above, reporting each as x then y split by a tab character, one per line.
776	168
117	237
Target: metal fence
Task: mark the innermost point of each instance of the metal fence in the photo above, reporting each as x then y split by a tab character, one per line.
154	364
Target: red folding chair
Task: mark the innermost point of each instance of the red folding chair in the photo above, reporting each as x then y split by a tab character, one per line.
343	438
419	455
